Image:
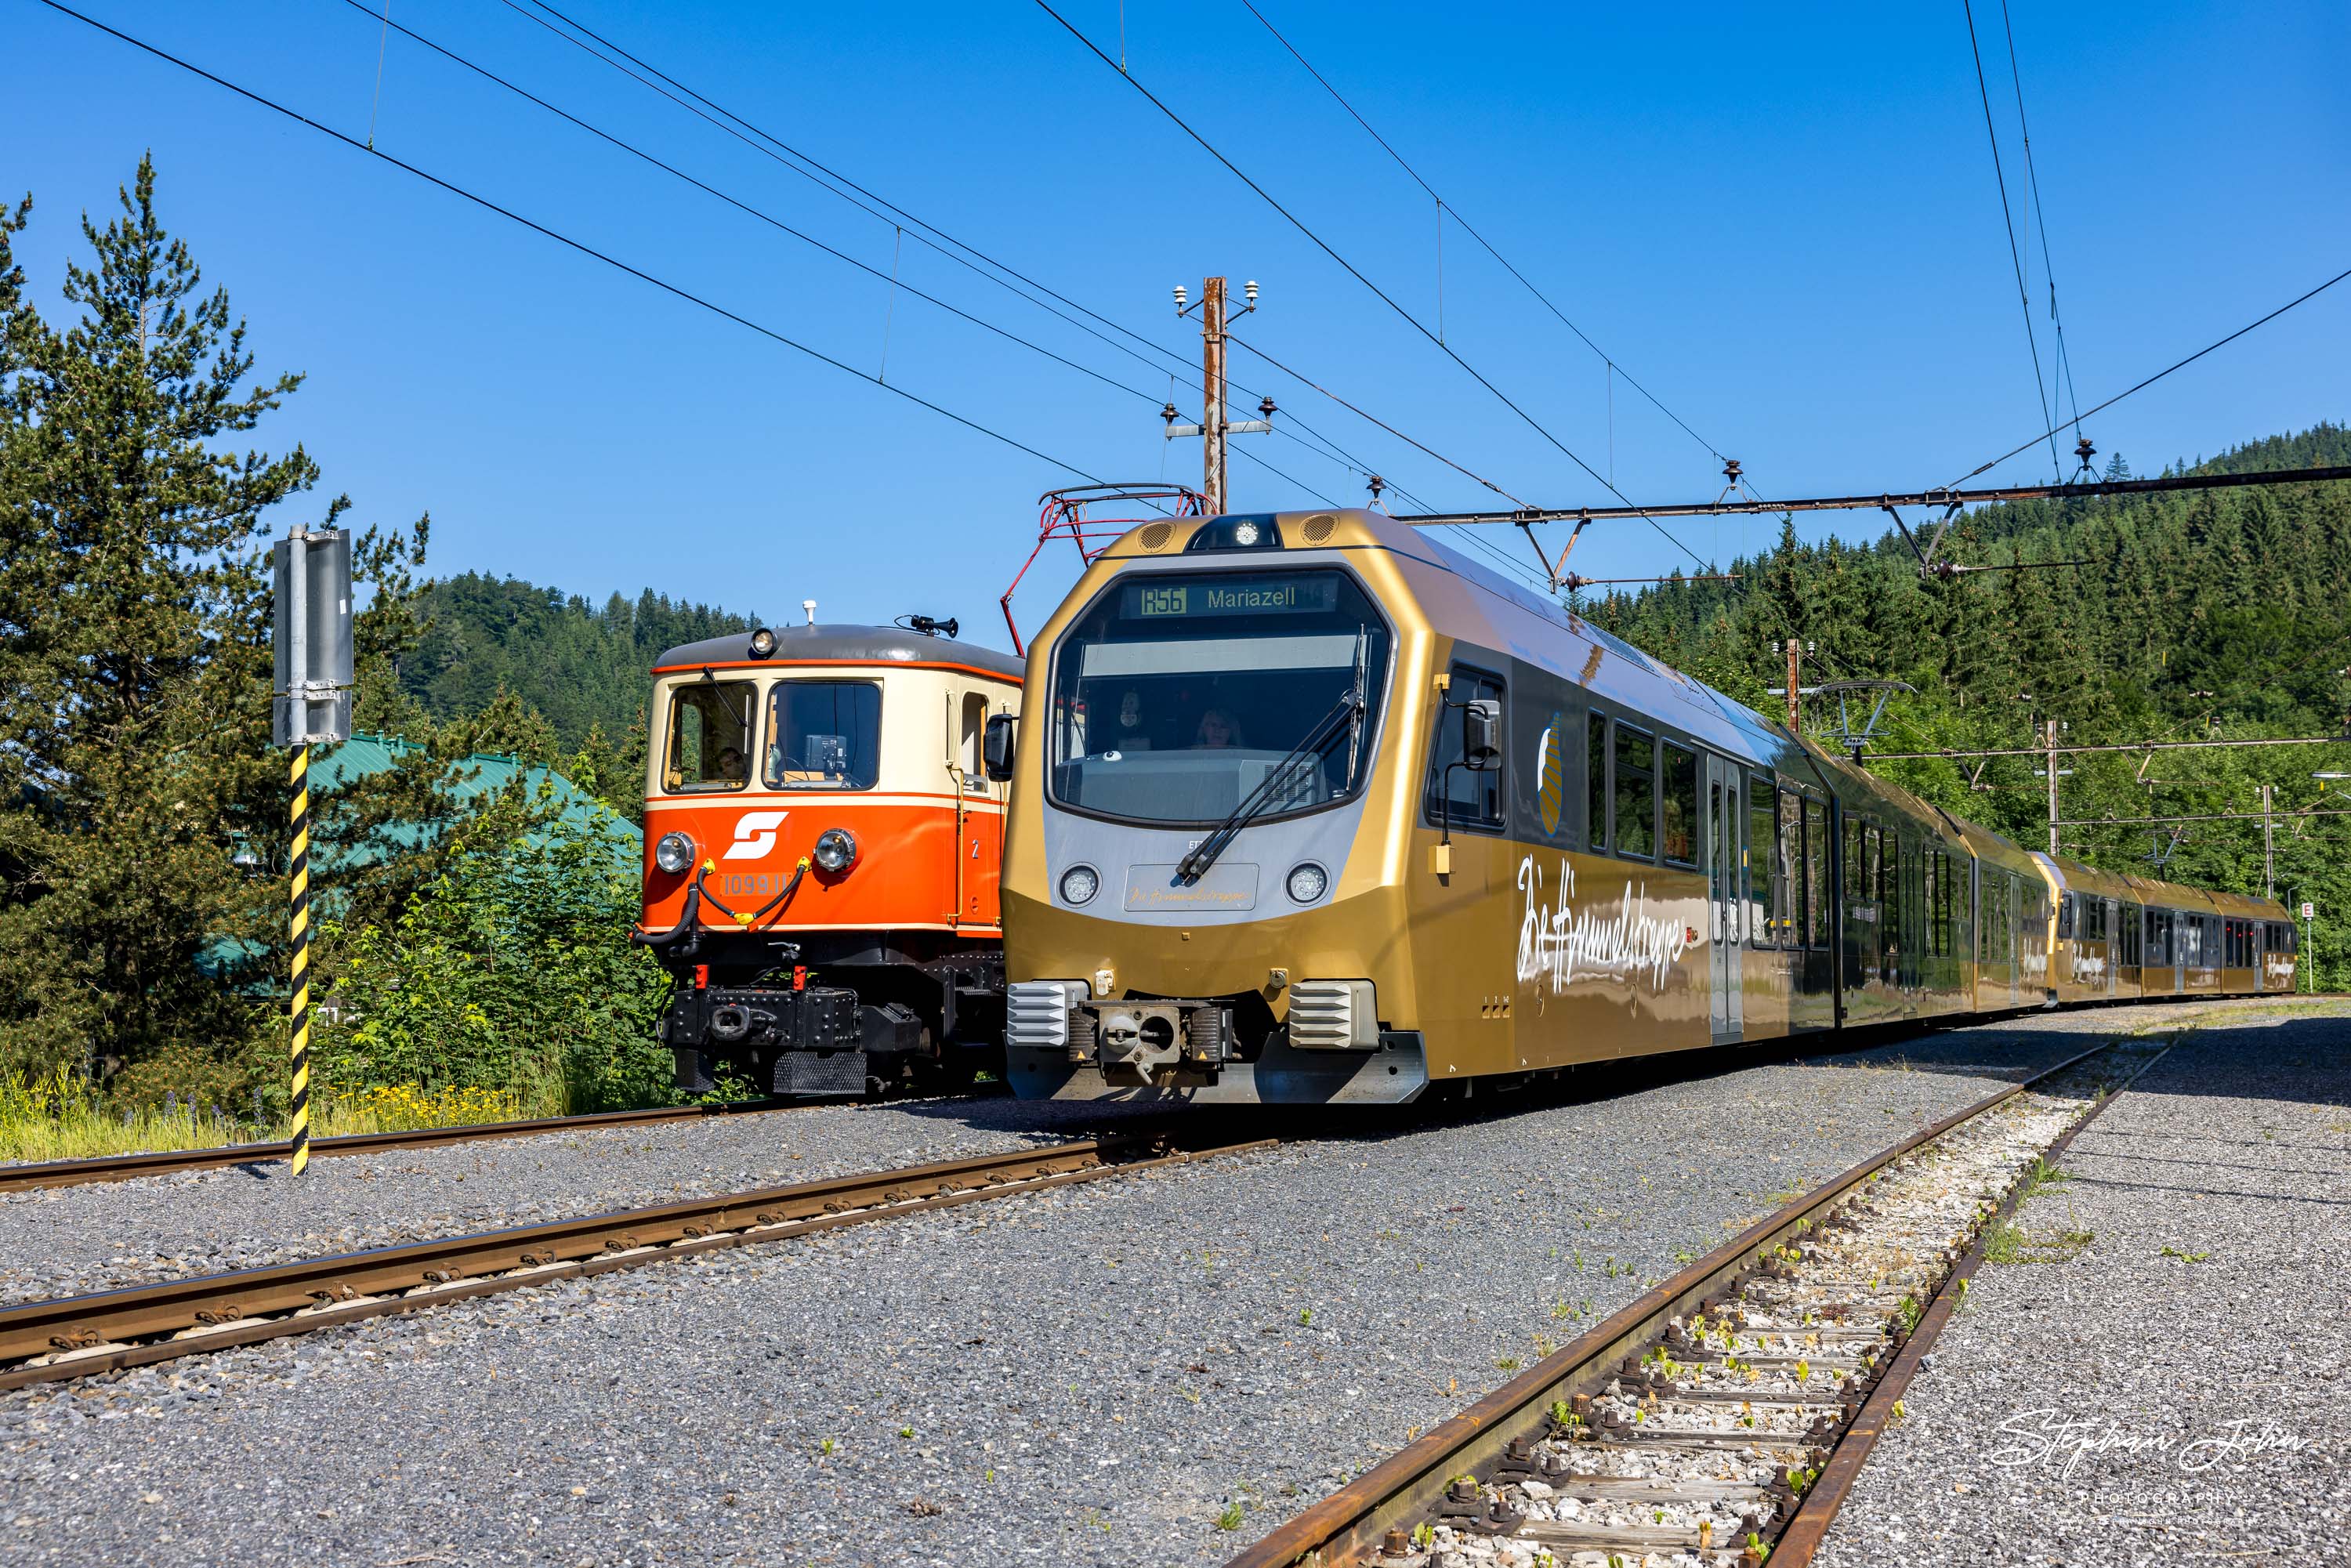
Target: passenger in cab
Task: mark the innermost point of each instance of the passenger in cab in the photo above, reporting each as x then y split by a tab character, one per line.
1217	732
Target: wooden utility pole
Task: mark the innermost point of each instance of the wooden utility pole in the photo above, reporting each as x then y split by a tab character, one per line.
2269	849
2049	751
1212	394
1215	314
1795	669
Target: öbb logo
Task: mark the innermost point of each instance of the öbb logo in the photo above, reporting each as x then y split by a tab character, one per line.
754	835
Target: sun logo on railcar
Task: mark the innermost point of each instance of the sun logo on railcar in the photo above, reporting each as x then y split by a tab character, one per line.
1550	775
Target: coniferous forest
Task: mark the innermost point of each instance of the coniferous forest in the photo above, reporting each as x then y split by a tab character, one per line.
2197	616
579	666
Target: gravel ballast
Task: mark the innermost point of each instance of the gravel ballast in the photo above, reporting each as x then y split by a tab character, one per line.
63	1241
1113	1373
2164	1376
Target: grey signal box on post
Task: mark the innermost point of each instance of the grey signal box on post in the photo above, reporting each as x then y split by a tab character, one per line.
311	676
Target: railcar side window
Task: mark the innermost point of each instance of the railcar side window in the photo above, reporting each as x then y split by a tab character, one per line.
1677	805
1788	869
1767	872
1853	860
709	737
1935	930
1816	900
1476	798
1632	810
1595	763
824	735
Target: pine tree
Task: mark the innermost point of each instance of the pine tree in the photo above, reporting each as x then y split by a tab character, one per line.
143	807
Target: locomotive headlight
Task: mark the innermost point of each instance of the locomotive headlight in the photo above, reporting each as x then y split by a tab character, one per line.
763	642
836	850
1078	884
1245	534
674	853
1308	882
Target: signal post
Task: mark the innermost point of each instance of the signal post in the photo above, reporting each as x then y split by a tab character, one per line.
311	702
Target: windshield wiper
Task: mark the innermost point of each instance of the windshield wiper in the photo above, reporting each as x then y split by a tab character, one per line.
1348	711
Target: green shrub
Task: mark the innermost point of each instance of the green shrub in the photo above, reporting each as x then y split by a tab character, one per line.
512	971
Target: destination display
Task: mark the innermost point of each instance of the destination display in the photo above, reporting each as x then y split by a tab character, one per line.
1237	596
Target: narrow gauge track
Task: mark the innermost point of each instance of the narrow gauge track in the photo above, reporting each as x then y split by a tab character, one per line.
1722	1417
171	1162
76	1336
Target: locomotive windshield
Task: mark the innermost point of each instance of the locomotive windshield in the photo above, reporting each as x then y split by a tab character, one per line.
1176	695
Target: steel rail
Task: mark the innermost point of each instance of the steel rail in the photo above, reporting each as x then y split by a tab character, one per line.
75	1336
1345	1528
1809	1526
165	1162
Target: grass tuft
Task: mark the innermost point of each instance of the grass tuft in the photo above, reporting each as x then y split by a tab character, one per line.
60	1117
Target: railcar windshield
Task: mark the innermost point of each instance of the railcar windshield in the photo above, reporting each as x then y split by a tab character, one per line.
1176	695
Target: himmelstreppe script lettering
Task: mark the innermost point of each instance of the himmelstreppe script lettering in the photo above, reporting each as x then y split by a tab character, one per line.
1617	940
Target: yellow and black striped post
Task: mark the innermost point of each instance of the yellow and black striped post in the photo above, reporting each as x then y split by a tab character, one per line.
300	1104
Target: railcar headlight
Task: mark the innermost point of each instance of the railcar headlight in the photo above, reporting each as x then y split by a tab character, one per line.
836	850
1308	882
1078	884
763	642
674	853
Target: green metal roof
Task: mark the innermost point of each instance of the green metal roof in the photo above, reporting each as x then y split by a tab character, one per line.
484	772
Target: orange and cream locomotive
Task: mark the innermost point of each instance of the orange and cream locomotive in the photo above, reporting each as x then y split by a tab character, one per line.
821	853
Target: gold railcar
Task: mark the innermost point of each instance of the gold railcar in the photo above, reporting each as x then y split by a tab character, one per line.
1309	807
2114	935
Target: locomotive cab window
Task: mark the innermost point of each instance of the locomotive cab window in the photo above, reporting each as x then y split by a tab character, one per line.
709	737
1474	798
824	735
1177	696
970	743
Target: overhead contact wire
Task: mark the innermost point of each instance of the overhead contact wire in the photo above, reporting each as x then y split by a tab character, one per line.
745	208
1351	269
2142	386
2064	371
718	115
568	242
2008	218
791	157
1455	213
1375	419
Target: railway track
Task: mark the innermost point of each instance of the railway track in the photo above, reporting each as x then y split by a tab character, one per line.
76	1336
1721	1418
171	1162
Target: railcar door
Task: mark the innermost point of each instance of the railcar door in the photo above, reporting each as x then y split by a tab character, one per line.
1725	963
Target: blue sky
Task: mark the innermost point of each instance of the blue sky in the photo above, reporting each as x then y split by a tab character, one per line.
1783	221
